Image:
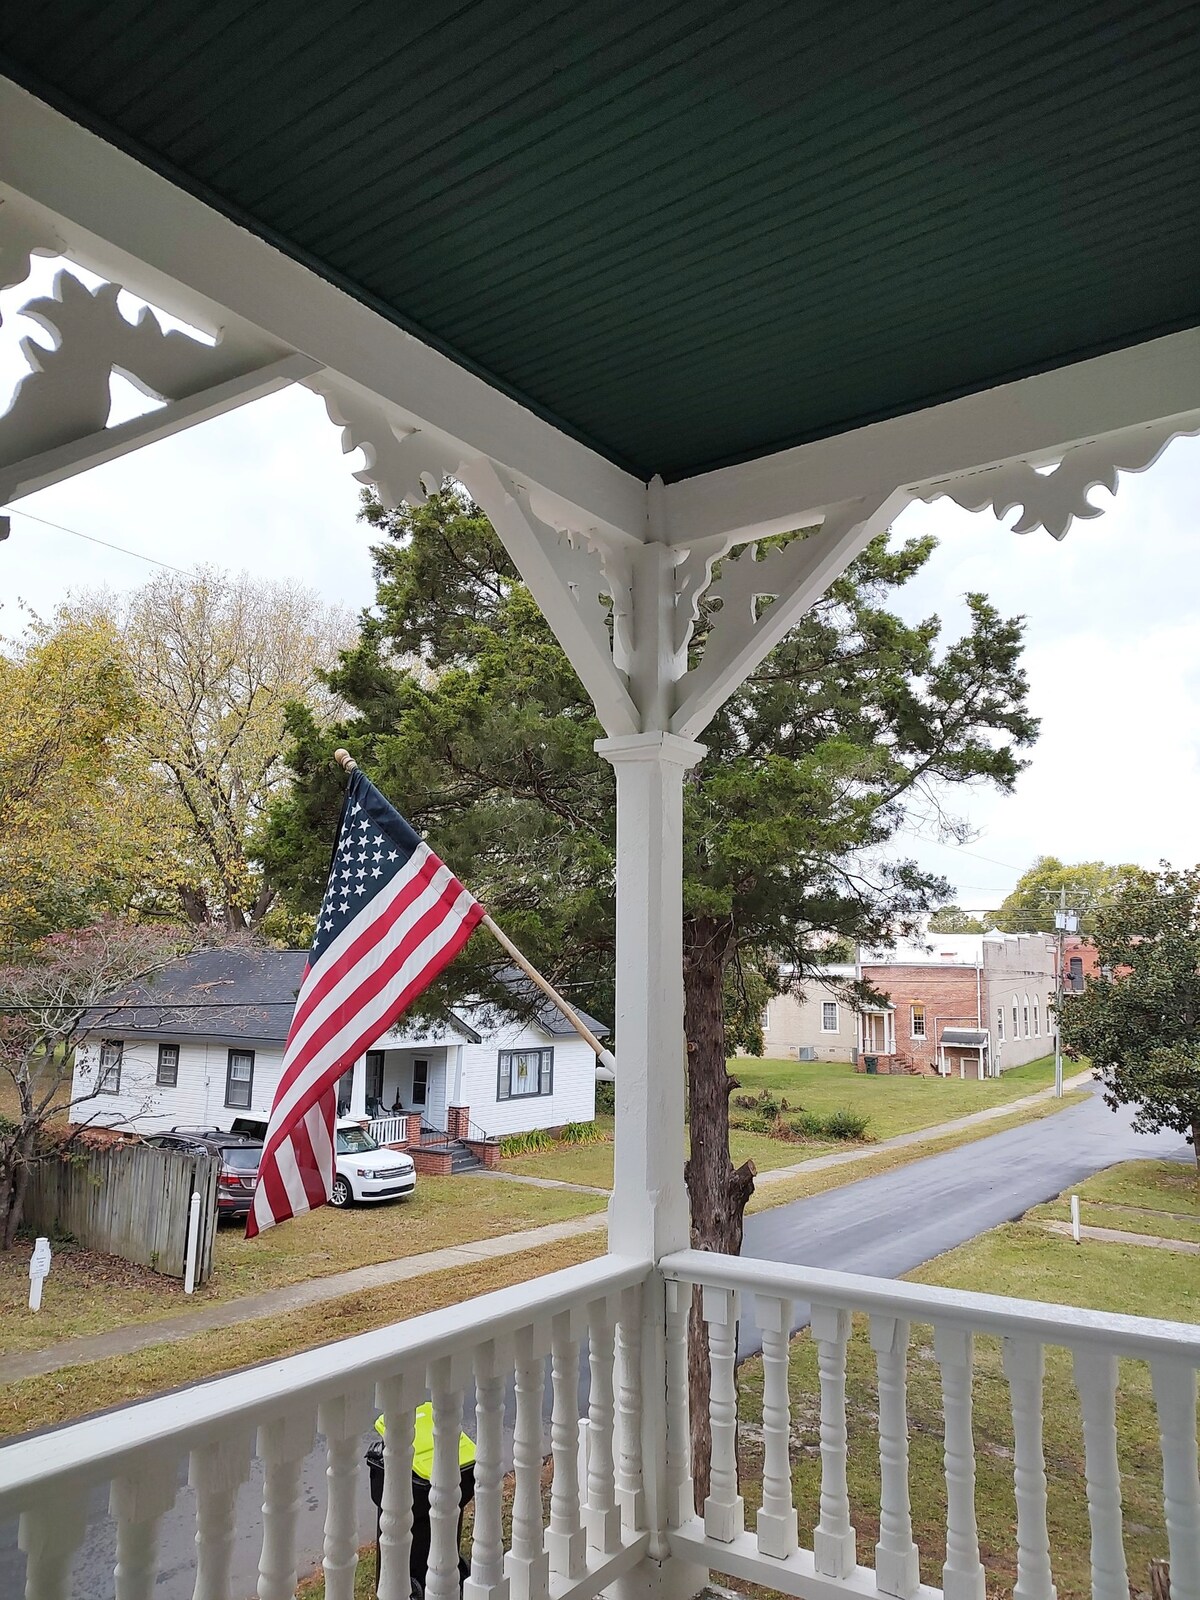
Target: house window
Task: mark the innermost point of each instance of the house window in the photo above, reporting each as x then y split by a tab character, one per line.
999	1024
764	1021
1037	1025
374	1089
1025	1013
111	1053
829	1016
1016	1020
1075	967
420	1095
525	1073
167	1075
239	1079
917	1022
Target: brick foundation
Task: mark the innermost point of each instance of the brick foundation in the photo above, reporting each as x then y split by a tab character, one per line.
487	1152
414	1127
433	1163
458	1120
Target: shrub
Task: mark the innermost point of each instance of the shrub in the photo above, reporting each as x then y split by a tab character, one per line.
847	1124
582	1133
523	1144
745	1102
606	1097
808	1125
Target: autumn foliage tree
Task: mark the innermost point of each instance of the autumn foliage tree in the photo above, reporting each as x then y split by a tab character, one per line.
79	832
215	661
46	997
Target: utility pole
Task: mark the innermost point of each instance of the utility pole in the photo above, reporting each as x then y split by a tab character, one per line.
1064	922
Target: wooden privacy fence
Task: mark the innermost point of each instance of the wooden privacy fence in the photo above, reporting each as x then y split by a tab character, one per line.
130	1201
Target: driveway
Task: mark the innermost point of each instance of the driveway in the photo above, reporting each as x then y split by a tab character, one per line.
884	1226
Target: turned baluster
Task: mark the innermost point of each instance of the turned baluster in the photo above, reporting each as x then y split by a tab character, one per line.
527	1564
724	1509
962	1572
139	1501
566	1539
49	1535
602	1517
342	1422
681	1502
1175	1400
897	1563
397	1398
282	1446
777	1525
216	1471
1023	1367
631	1495
487	1580
833	1536
1096	1381
445	1484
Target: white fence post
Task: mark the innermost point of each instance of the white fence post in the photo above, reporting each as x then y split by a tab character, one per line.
193	1244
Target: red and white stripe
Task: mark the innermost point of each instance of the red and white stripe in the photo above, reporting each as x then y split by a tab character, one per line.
350	995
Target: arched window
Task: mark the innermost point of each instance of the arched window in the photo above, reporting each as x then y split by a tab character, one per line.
1037	1026
1025	1012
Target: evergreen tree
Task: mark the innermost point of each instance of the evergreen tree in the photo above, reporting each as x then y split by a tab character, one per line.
466	712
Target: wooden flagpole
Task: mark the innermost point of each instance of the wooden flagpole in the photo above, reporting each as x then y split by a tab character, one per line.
605	1057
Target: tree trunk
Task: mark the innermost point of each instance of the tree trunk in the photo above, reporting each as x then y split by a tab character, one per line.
717	1193
1160	1581
18	1182
1196	1145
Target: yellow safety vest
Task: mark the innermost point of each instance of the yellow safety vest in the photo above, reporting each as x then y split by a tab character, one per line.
423	1443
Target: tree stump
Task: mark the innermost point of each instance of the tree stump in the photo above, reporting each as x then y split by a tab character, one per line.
1160	1581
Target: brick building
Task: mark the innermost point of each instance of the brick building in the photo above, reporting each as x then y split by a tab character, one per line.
966	1005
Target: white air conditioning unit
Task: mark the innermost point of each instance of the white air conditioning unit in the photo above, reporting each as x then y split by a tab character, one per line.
808	1052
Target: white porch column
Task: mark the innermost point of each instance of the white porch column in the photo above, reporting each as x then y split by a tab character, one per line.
648	1213
358	1090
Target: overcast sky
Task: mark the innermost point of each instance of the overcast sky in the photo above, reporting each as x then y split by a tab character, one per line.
1113	653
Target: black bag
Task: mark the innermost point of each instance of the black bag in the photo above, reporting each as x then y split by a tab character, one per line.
418	1556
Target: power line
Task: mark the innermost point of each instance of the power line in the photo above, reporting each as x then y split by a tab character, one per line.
92	538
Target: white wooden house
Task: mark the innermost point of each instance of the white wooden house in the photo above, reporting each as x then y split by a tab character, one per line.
203	1043
655	283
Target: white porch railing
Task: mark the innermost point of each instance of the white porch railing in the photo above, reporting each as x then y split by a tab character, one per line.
388	1130
336	1391
633	1500
773	1554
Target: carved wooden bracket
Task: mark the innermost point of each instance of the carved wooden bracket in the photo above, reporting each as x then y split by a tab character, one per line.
1054	499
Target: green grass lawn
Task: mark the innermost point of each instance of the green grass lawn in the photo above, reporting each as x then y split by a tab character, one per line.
593	1163
89	1293
1024	1261
1154	1197
894	1104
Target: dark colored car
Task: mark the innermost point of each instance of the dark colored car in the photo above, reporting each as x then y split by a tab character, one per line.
239	1155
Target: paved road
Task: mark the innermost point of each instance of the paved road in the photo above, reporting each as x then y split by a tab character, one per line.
885	1226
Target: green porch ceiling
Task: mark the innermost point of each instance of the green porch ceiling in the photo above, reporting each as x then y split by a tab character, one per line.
688	233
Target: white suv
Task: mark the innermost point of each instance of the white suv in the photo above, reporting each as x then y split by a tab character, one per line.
366	1170
363	1169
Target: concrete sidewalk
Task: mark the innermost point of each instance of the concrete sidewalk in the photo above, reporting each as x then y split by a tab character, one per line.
313	1291
293	1297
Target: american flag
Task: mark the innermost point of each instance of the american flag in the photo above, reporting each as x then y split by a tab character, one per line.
393	916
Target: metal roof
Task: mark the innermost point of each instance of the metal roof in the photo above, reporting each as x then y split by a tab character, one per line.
686	231
975	1038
